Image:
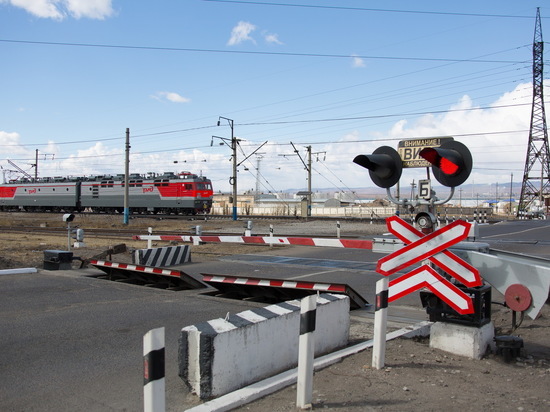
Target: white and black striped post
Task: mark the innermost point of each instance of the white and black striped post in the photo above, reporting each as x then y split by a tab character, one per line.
306	350
380	323
154	398
338	230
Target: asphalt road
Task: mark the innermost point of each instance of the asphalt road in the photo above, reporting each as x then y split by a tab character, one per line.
71	342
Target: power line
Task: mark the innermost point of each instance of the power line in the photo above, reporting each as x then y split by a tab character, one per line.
250	52
318	6
382	115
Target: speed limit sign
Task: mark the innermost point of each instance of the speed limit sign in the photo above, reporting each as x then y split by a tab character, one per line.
424	189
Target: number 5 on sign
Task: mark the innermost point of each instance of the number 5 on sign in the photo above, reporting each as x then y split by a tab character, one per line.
424	189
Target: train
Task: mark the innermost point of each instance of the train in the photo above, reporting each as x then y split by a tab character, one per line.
166	193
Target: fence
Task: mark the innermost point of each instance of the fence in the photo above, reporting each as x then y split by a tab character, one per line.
348	211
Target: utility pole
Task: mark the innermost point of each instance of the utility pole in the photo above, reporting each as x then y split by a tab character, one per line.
259	158
35	165
233	145
308	168
233	180
537	152
126	175
511	184
308	180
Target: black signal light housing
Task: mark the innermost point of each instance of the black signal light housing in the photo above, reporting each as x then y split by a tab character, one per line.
384	164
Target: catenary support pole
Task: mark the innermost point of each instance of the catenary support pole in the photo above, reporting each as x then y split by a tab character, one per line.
154	397
126	176
380	323
306	350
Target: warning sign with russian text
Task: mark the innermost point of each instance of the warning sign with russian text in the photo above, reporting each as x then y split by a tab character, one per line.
409	150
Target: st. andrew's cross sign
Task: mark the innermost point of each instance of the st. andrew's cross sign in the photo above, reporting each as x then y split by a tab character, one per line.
431	247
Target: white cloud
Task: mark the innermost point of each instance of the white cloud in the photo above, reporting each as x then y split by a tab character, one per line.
61	9
93	9
171	97
272	38
357	62
241	33
10	144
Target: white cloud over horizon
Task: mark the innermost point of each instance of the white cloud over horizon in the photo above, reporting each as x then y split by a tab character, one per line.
497	137
61	9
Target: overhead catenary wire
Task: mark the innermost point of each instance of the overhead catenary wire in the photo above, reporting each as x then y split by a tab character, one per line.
370	9
252	52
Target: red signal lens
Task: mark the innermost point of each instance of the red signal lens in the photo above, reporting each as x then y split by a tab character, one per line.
448	167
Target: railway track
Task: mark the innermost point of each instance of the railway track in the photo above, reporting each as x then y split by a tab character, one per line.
128	233
159	216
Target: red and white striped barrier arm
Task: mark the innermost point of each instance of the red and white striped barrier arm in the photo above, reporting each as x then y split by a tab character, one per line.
323	287
266	240
138	268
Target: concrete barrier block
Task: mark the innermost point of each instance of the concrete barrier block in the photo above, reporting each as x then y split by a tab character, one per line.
469	341
163	256
222	355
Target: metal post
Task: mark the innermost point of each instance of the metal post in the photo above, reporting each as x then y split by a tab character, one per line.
308	181
306	350
69	236
126	174
234	148
338	230
150	241
154	397
380	323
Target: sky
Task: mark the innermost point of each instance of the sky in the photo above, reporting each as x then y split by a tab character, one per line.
341	77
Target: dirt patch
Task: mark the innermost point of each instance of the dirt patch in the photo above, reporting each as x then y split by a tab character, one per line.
417	377
27	250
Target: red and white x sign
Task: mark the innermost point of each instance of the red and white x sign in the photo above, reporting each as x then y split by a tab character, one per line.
433	247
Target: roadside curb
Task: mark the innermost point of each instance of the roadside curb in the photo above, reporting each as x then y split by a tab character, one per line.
17	271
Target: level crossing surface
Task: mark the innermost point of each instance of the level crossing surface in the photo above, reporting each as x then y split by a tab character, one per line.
72	342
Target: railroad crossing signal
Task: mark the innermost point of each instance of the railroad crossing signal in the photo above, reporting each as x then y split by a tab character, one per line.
451	162
432	247
384	164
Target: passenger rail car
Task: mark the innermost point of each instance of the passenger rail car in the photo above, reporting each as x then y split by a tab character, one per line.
182	193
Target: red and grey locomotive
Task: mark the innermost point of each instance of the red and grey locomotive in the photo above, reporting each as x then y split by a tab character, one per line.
183	193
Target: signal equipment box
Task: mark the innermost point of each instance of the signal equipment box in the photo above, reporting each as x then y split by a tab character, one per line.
58	260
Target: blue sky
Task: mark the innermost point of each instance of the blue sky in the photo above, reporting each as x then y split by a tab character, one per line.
343	78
